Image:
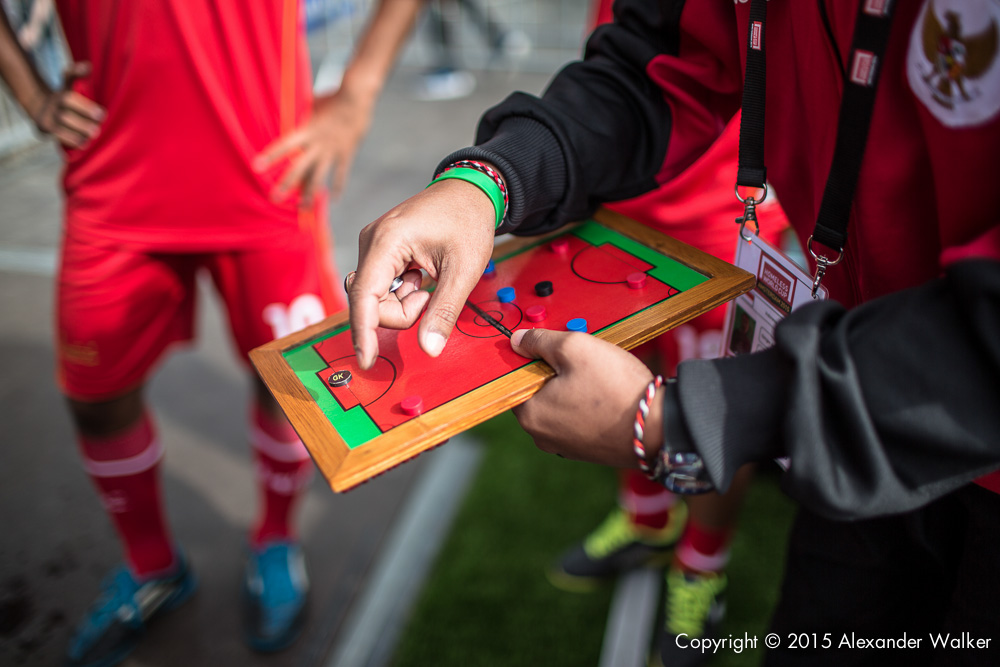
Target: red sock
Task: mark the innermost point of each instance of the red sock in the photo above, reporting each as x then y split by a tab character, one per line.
647	503
283	471
703	549
125	469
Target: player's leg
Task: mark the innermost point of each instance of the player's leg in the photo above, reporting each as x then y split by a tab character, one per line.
486	23
640	531
696	580
121	454
117	312
270	293
446	79
284	469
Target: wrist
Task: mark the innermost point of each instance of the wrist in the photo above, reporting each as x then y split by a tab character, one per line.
37	108
512	182
484	177
476	206
360	88
678	467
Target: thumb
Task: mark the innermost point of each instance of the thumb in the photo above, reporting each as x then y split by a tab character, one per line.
538	344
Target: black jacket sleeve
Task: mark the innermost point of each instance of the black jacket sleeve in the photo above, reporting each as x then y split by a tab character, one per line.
882	408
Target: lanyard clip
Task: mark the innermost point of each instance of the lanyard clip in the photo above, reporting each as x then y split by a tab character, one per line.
822	264
749	211
749	215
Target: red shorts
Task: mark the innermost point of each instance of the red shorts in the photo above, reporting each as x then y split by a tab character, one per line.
119	310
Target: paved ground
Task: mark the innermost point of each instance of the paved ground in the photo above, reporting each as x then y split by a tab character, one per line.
56	543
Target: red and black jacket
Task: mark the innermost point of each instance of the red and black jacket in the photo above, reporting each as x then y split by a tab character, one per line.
887	396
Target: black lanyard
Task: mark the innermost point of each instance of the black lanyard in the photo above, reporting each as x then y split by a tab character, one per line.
864	65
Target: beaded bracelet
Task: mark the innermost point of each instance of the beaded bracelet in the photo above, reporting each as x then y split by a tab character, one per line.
488	184
640	420
489	171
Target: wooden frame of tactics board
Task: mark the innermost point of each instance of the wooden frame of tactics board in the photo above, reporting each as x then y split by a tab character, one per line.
346	464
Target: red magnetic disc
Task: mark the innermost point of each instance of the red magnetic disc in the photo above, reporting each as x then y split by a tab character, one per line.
536	313
412	405
636	280
559	246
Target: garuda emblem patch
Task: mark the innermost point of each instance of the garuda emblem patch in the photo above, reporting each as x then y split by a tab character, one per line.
952	64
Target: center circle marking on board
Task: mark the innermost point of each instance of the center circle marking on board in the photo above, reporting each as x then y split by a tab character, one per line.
472	324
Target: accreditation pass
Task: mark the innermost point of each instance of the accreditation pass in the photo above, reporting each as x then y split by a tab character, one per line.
781	288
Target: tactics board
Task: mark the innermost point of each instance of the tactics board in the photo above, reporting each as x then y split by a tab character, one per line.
629	283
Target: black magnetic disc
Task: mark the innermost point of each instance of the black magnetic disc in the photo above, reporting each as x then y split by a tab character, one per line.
339	379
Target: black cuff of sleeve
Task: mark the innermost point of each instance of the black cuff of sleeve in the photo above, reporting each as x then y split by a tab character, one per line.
537	183
675	432
678	438
731	421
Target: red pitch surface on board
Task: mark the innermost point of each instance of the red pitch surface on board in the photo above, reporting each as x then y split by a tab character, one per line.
588	282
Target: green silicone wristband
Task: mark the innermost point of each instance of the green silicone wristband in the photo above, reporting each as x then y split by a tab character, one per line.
481	181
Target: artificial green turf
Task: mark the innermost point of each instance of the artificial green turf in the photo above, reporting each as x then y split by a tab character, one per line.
487	601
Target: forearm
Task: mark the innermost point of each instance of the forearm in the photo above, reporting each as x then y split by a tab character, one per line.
378	48
21	77
881	408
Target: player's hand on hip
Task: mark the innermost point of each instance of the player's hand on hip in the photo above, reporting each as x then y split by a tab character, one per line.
447	230
325	144
66	114
587	410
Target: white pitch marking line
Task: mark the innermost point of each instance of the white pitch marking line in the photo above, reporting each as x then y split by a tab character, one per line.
31	261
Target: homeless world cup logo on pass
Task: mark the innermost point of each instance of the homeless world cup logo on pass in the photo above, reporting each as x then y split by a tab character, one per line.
775	284
952	63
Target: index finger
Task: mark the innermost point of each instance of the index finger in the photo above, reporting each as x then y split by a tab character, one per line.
454	285
277	149
82	106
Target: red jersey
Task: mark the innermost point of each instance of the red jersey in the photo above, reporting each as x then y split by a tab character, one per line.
193	92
